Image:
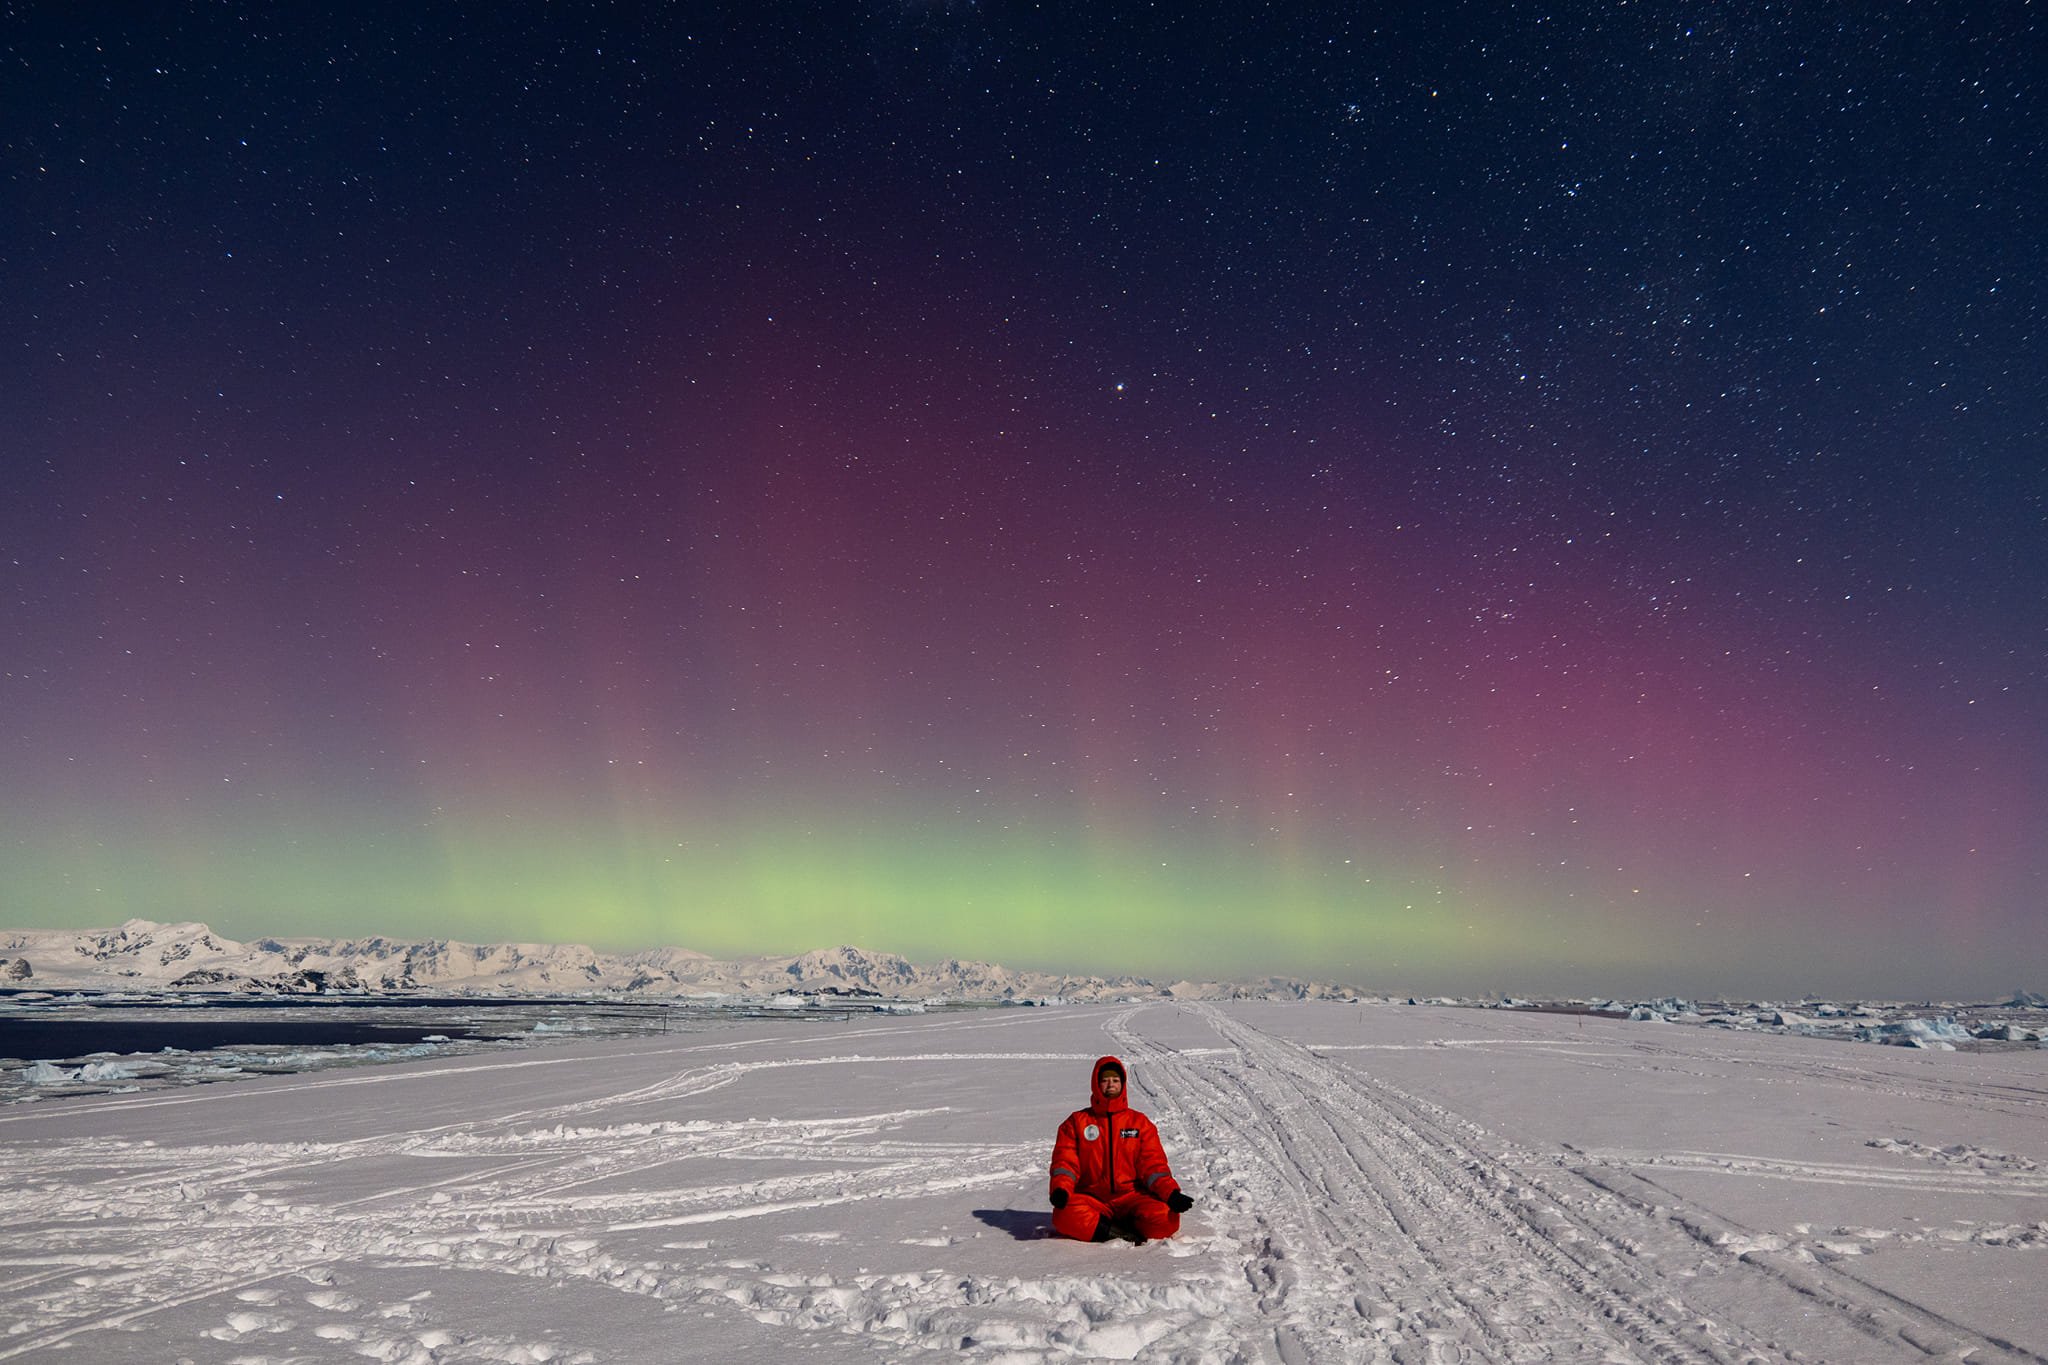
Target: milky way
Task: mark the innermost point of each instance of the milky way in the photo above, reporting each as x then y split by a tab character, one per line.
1480	499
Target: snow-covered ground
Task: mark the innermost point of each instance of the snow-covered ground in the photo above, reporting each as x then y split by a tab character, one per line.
1374	1182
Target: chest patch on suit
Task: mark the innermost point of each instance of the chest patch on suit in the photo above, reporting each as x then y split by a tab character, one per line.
1090	1133
1128	1132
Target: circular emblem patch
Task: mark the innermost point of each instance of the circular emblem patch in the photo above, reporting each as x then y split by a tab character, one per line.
1090	1133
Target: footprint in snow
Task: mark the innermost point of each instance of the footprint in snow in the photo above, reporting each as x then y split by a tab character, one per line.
240	1325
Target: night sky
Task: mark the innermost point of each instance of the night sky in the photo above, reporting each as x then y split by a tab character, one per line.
1451	496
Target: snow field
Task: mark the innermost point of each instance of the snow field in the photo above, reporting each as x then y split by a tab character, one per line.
1374	1184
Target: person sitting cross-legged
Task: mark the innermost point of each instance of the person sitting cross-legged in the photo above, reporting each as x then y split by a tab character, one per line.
1110	1177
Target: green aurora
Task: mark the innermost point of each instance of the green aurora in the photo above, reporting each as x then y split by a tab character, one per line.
1027	897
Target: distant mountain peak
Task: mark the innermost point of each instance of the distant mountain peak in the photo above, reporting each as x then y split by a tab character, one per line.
142	953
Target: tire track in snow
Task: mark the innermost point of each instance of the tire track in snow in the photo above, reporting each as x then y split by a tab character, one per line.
1577	1258
1875	1313
1368	1216
1653	1231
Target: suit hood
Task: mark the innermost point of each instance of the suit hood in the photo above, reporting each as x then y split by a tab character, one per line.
1101	1103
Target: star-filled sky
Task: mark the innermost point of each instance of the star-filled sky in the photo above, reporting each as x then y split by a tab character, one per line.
1453	496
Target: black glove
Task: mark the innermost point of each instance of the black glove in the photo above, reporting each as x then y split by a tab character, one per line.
1059	1199
1179	1202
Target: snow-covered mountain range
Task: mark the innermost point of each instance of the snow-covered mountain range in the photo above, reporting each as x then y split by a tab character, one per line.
142	954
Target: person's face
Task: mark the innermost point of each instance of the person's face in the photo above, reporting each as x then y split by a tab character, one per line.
1112	1084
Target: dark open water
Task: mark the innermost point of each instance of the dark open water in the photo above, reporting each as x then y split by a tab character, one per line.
57	1040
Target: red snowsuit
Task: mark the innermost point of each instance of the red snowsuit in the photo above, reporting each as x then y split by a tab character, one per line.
1108	1159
